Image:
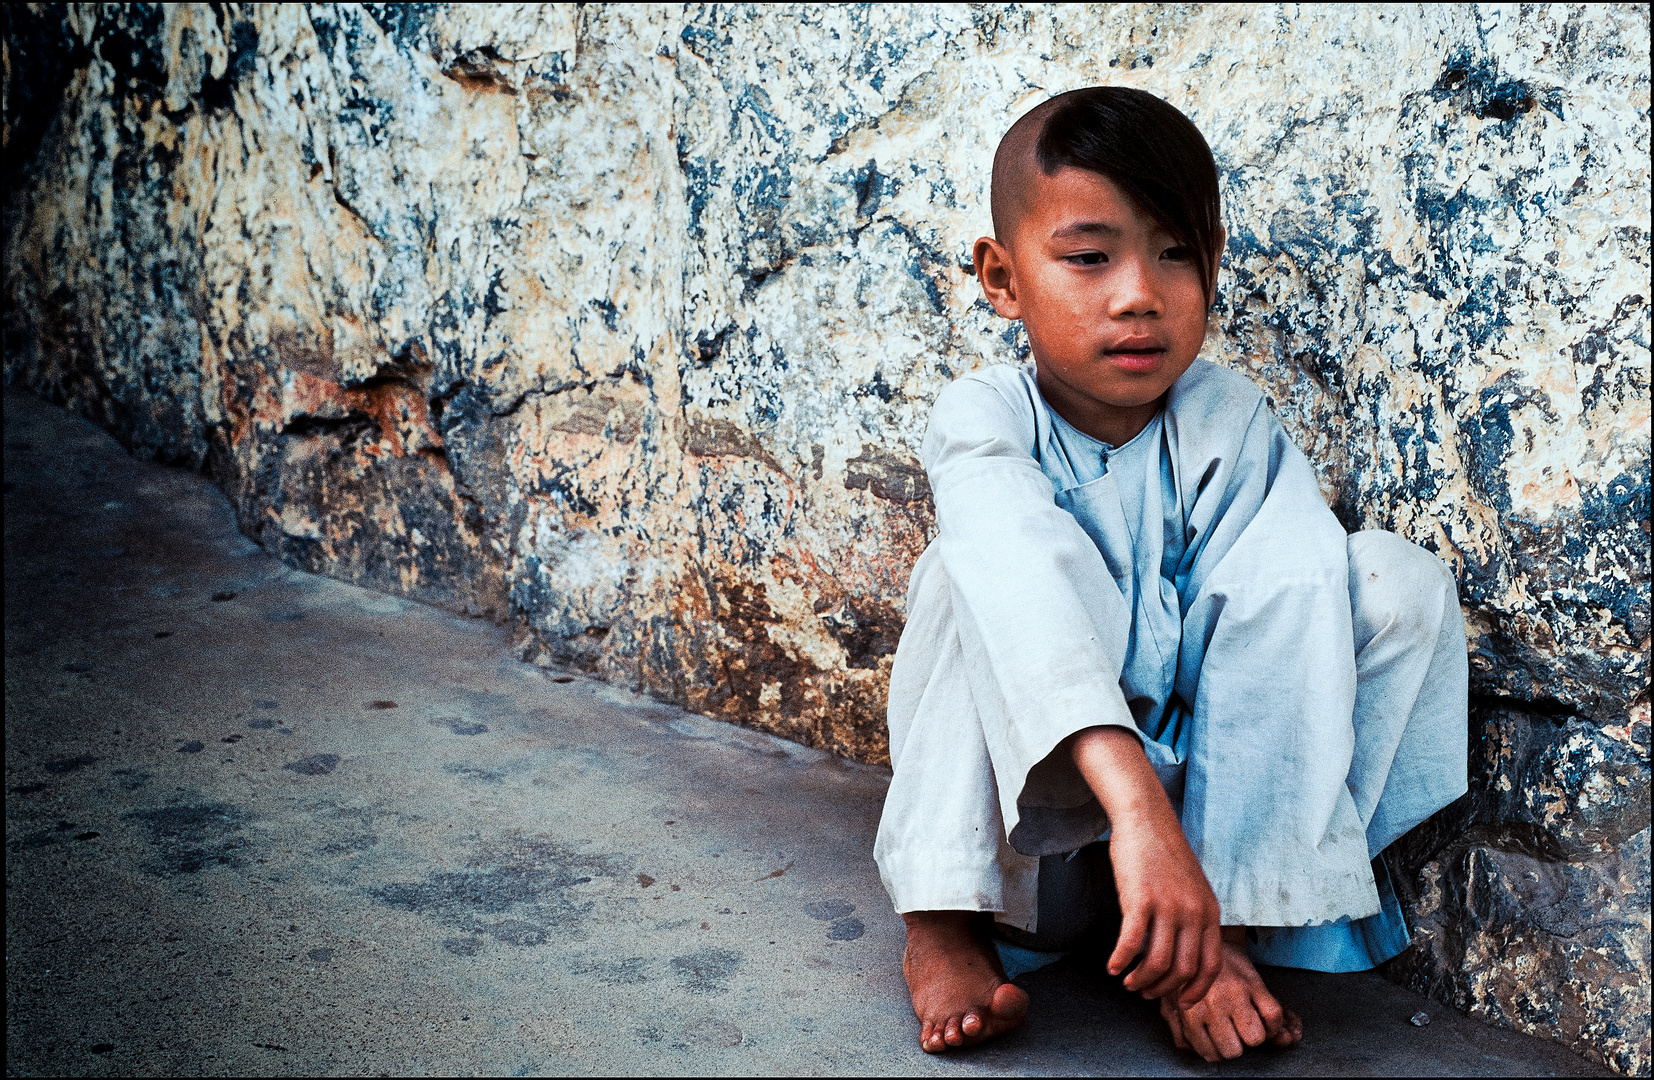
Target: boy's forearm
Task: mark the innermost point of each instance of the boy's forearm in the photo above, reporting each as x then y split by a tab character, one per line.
1169	916
1112	761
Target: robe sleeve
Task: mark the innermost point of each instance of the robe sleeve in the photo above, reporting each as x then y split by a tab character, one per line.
1043	625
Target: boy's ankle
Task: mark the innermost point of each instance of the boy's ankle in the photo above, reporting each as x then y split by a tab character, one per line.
945	921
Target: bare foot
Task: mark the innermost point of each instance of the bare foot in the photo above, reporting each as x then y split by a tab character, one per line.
1237	1012
960	993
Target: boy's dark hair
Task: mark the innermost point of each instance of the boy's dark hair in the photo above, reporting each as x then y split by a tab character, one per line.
1150	150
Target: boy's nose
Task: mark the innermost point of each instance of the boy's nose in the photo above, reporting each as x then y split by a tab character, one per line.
1134	292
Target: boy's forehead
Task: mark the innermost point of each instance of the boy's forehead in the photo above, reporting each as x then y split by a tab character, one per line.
1076	202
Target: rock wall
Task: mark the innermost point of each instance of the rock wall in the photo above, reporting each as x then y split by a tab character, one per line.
621	323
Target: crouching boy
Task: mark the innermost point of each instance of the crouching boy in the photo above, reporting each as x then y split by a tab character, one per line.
1145	670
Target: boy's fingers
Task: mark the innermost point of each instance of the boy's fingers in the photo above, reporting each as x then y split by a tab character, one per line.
1157	959
1130	944
1211	966
1185	963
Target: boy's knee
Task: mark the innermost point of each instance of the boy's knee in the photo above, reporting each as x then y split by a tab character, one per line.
1398	586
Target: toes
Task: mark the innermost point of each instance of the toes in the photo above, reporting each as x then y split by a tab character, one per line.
1009	1006
1227	1040
1292	1030
1200	1042
1174	1021
1249	1026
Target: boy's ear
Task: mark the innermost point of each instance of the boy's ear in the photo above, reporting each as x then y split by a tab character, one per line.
993	269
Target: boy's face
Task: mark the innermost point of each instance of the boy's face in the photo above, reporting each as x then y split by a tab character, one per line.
1113	305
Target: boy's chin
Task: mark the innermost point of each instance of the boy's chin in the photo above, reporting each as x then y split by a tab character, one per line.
1106	384
1124	404
1134	395
1129	386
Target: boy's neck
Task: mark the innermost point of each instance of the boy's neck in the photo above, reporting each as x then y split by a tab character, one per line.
1115	425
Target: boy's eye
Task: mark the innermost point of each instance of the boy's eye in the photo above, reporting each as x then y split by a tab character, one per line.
1178	254
1089	258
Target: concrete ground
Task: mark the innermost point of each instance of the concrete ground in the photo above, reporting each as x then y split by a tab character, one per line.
262	822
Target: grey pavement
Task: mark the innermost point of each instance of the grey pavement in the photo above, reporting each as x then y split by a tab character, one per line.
259	821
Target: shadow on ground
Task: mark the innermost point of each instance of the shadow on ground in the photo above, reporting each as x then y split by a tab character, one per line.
259	821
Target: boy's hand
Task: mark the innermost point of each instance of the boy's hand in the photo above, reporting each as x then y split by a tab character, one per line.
1170	912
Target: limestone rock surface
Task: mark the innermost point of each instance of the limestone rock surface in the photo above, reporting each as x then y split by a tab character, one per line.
621	323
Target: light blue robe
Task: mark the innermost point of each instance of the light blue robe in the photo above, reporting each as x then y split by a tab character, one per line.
1192	586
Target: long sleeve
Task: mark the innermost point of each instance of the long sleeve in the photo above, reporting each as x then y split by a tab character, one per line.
1042	621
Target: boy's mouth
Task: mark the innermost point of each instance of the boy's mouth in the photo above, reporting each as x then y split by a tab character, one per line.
1136	353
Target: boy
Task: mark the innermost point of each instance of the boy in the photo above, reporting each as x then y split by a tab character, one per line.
1140	624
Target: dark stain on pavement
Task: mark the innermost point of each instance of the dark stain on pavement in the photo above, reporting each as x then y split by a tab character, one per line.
473	773
707	971
187	839
828	910
711	1033
529	882
344	845
314	765
132	779
462	946
632	971
68	764
352	827
837	912
519	932
38	838
194	746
